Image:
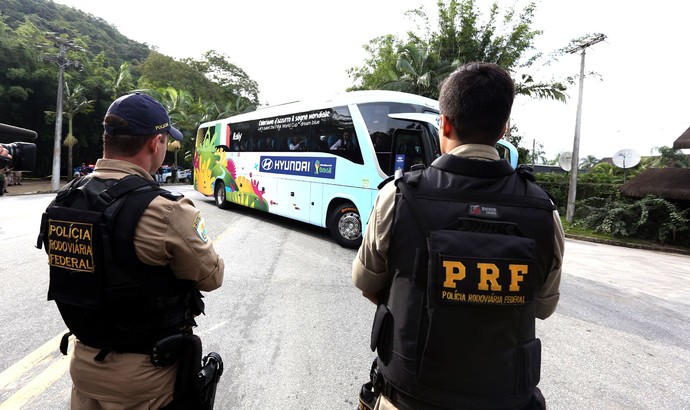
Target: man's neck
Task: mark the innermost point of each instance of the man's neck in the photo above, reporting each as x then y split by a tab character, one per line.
142	161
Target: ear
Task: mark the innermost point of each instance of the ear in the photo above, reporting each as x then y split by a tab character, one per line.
156	143
445	127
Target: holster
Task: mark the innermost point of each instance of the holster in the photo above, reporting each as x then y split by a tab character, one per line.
197	379
370	391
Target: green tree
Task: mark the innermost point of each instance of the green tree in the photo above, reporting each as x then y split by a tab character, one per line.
588	162
419	64
671	158
231	78
540	90
421	72
123	81
161	71
379	67
74	103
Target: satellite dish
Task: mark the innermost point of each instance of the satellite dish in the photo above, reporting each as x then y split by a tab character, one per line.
626	158
565	160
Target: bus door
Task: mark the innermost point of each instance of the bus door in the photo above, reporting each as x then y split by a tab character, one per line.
507	150
417	143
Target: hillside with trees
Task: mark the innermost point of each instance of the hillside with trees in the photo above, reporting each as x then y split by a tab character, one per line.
106	64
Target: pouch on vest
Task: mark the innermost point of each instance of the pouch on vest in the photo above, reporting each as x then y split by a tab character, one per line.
382	333
466	279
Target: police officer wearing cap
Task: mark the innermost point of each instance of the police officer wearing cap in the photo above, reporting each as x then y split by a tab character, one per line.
460	258
127	261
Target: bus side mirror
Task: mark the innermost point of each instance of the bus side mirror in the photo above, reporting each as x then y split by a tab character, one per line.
512	156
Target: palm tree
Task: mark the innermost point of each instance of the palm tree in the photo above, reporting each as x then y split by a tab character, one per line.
418	72
540	91
74	103
123	81
589	162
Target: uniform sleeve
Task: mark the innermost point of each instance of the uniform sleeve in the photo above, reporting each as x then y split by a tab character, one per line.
174	233
549	295
370	266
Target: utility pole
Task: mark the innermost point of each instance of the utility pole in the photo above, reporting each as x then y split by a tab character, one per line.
572	189
62	62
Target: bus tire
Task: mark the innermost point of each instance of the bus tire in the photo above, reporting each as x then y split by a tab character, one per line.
345	225
219	195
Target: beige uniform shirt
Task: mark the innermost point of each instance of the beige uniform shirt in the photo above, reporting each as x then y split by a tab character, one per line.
370	268
169	233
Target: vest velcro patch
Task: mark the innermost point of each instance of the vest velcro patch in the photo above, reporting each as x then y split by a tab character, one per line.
70	245
483	211
483	281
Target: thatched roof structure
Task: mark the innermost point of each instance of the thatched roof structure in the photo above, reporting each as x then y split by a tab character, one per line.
667	183
683	141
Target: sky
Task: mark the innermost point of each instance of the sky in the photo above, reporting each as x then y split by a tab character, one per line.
302	49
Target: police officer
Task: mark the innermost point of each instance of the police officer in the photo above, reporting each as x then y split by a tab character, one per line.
127	262
461	257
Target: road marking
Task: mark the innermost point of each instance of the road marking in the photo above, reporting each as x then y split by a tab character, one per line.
14	372
38	385
48	376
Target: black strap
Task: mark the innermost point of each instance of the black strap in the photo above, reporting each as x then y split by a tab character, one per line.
122	187
414	206
63	343
102	354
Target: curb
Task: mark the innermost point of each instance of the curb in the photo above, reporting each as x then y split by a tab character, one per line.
657	248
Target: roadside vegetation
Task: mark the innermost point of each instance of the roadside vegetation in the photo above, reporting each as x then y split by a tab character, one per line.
601	211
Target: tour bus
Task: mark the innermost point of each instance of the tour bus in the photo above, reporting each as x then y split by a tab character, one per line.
318	162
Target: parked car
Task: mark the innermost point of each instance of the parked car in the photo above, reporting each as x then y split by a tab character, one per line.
165	174
78	170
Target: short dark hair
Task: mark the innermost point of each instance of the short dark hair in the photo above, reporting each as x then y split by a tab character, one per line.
122	145
477	98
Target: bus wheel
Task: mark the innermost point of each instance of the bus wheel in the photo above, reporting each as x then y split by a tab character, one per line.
346	226
220	195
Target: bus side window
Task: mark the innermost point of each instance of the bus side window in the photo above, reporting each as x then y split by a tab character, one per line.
281	142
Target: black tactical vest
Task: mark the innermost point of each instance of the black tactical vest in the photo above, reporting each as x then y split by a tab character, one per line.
472	245
107	297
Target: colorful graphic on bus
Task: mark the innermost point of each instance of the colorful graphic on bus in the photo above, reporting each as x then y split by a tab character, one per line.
212	164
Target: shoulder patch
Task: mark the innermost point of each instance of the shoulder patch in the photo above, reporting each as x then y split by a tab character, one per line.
200	227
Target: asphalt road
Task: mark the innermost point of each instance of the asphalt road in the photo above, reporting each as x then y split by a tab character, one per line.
294	332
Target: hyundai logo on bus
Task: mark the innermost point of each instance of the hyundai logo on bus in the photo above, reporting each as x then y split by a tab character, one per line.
304	166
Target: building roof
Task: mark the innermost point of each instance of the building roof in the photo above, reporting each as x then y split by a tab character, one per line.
667	183
683	141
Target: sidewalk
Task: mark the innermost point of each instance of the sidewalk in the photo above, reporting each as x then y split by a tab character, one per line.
32	186
41	186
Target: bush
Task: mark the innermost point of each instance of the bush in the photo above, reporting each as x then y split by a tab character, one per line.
589	185
650	218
